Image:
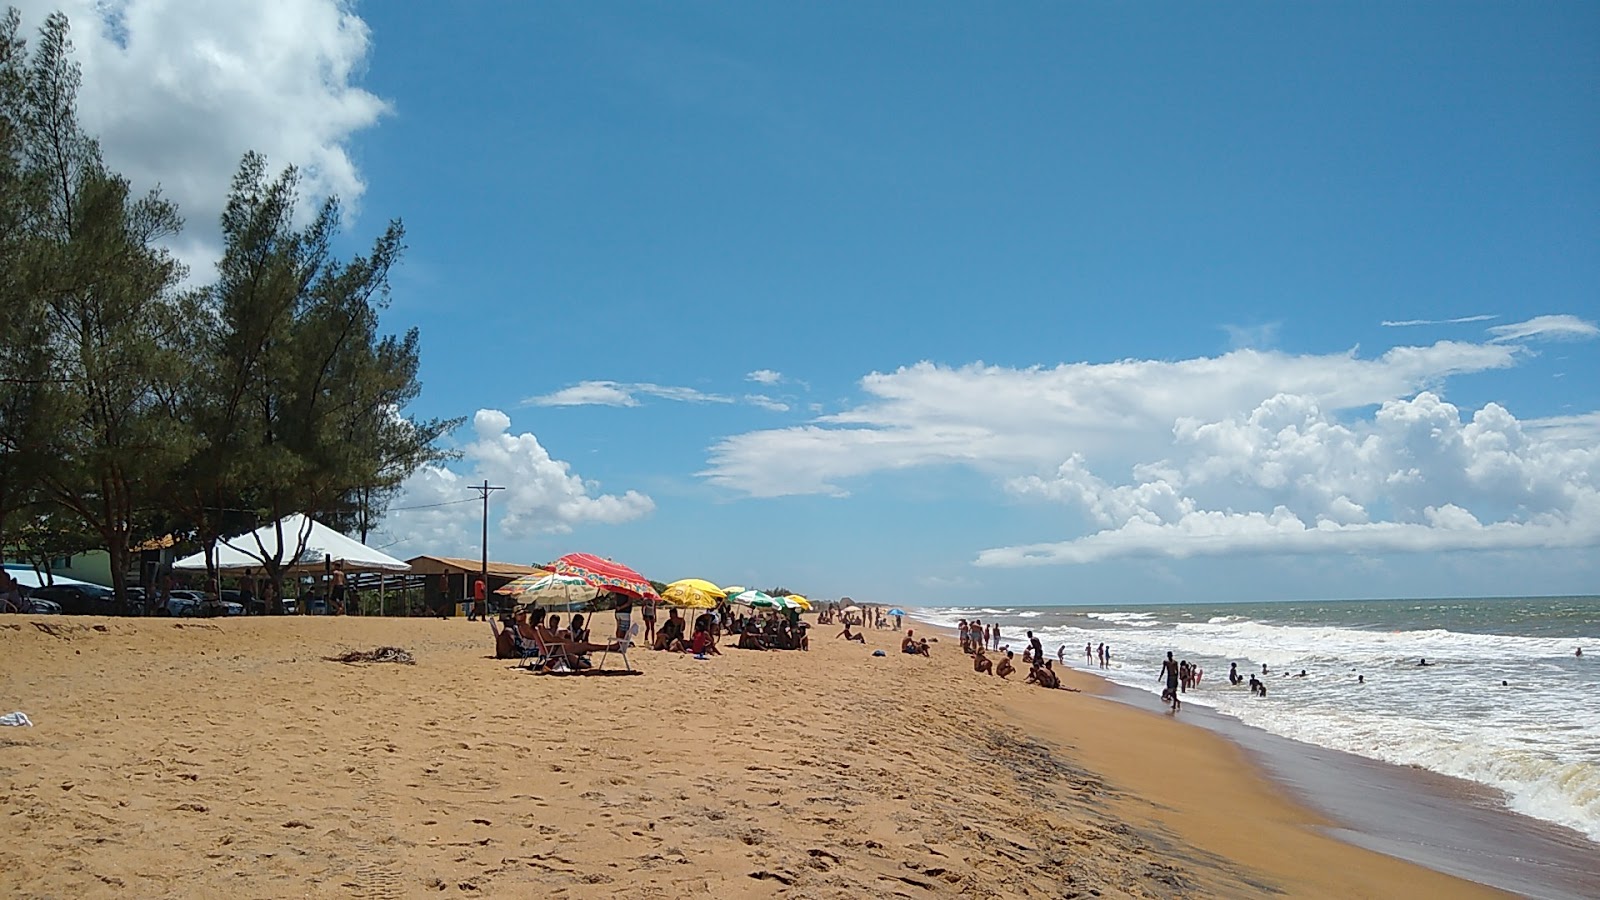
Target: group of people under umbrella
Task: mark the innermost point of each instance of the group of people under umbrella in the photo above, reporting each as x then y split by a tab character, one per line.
761	621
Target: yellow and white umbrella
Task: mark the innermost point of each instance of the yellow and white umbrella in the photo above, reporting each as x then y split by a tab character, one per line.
693	593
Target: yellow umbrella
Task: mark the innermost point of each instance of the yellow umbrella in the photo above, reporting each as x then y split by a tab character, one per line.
694	593
799	601
733	591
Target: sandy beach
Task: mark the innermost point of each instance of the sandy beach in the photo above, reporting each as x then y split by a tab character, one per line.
231	758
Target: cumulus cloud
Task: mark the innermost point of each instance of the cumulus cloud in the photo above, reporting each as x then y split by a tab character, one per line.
1415	477
178	90
1550	328
764	376
1248	452
542	495
1000	419
1406	323
614	393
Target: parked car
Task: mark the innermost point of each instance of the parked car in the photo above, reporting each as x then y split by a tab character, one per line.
80	599
34	606
247	607
40	607
183	603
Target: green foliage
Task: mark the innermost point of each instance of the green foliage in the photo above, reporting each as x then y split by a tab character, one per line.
129	404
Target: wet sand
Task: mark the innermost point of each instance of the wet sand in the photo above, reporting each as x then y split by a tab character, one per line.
231	758
1448	824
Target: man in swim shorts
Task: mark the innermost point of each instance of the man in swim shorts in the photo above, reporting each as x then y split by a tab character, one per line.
1169	670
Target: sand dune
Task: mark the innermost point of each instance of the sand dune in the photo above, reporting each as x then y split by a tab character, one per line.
231	758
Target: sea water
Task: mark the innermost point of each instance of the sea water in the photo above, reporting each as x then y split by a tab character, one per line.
1536	738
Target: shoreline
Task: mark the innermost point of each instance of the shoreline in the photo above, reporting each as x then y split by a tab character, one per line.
1446	824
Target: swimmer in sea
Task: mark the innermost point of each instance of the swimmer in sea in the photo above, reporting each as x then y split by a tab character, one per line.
1424	662
1361	679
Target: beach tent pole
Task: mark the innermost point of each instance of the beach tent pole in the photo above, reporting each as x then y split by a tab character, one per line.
381	577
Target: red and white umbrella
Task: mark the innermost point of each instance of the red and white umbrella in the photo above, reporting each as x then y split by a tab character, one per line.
605	574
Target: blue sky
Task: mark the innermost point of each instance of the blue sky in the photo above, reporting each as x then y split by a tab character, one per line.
1060	302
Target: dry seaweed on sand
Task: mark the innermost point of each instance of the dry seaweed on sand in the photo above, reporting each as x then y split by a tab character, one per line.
381	654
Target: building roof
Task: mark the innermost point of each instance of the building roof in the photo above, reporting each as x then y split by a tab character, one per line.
451	565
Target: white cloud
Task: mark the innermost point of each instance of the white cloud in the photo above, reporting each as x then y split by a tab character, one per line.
1555	328
1317	484
1246	452
1404	323
1001	419
764	376
765	402
178	90
614	393
542	495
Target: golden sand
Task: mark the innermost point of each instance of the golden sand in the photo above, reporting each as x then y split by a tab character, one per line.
229	758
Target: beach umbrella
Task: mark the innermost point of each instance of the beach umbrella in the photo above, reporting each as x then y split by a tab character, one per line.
851	608
736	589
798	601
693	593
897	611
551	590
606	575
787	603
519	584
753	599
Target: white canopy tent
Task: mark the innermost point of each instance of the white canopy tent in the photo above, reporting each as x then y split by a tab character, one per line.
321	545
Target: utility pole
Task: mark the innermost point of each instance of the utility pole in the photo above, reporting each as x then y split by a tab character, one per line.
485	490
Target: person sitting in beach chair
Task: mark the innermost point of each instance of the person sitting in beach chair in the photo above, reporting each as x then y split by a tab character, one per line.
981	664
577	629
561	647
1004	667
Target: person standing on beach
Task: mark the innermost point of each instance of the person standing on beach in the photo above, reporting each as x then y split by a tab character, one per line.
480	599
1061	654
1169	671
1088	654
338	586
648	613
624	615
995	641
1038	649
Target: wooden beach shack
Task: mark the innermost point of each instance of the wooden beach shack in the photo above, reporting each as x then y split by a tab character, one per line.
448	579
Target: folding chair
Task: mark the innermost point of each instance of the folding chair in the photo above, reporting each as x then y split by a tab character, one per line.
622	645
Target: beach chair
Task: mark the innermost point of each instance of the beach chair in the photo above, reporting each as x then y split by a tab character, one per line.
533	655
549	650
621	650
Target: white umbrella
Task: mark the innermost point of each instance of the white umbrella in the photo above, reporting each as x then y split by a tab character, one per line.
554	590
